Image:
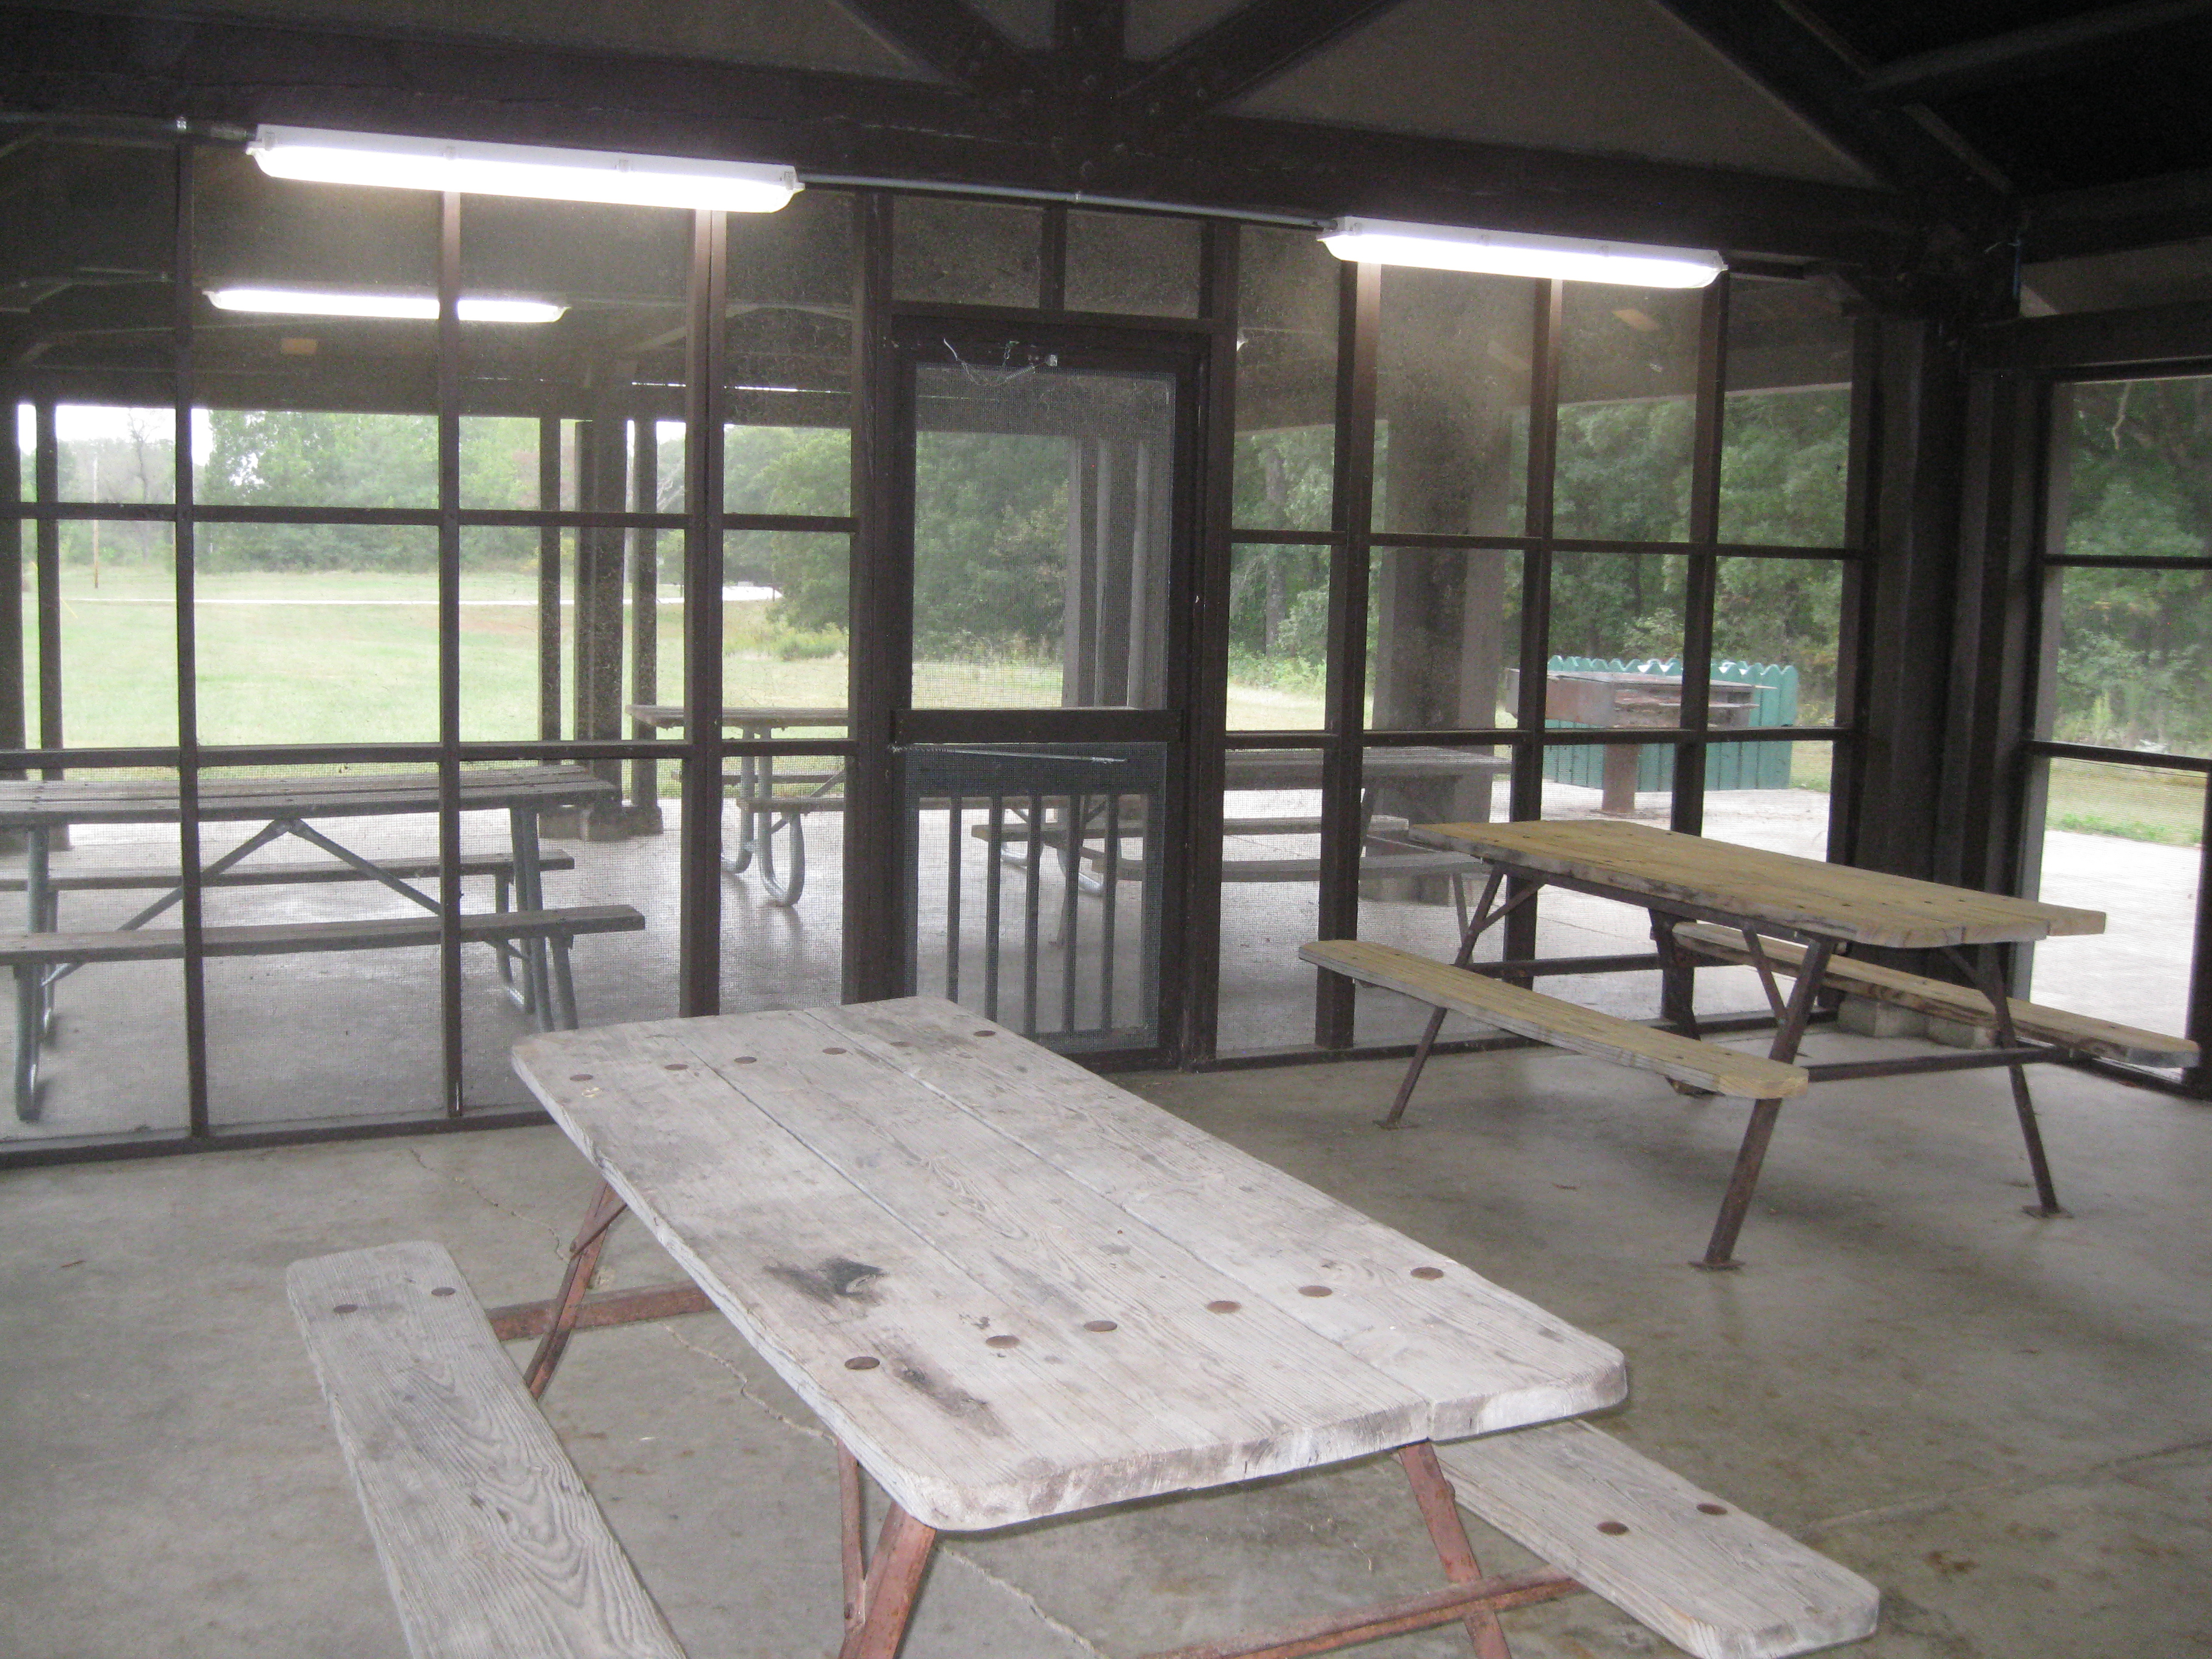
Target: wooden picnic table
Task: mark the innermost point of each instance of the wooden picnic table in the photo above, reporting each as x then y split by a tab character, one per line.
1012	1290
1791	915
283	804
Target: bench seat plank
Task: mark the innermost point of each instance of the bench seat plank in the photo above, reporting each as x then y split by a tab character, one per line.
1720	1585
1372	866
493	1545
297	938
121	878
2083	1033
1564	1024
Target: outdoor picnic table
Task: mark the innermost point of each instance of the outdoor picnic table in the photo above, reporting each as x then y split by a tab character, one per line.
765	819
283	805
1011	1290
1784	914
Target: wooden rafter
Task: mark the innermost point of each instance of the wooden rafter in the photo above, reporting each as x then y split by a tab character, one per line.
1249	47
239	72
945	37
2024	54
1819	79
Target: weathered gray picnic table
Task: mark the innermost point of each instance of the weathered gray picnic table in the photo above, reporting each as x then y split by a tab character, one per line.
1010	1290
283	806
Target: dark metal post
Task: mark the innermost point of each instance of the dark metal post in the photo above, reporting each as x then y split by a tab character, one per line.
449	646
1358	330
1528	790
875	902
191	914
46	466
13	726
548	581
700	920
645	617
1209	681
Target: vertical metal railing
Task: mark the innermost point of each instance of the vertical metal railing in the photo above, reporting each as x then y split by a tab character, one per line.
1059	961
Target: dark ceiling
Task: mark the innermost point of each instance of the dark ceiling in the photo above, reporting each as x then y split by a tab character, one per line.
2052	96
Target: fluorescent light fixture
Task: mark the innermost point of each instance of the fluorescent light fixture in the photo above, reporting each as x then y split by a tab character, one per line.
415	307
1518	253
560	175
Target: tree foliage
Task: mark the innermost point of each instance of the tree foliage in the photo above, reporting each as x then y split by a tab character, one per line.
2133	647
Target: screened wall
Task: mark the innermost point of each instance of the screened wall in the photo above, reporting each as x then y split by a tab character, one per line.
2120	735
617	491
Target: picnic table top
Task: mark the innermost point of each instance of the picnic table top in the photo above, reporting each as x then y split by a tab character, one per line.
673	714
36	801
1014	1289
1834	901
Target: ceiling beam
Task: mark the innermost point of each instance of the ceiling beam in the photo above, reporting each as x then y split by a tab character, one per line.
1245	49
947	39
1091	32
2024	54
234	74
2175	207
1819	78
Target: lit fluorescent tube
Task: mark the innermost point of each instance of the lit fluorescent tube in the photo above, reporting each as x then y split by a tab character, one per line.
1516	253
560	175
418	308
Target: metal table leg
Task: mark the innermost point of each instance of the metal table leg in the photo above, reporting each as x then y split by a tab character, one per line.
1744	1180
30	993
530	895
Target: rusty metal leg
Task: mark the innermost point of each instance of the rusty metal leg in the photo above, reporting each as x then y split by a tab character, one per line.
1719	1249
1433	1492
902	1553
1992	986
583	1261
1742	1182
854	1549
2046	1196
1390	1119
1486	917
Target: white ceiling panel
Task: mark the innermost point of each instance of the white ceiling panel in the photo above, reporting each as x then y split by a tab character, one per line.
1620	77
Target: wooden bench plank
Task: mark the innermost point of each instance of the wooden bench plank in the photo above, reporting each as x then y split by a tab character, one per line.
275	873
1373	866
1565	1024
1709	1578
295	938
2082	1033
782	803
490	1540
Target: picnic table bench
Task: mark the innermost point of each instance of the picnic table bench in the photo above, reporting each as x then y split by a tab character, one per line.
531	939
1010	1290
1785	916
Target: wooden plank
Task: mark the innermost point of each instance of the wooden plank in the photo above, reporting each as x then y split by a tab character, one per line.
1710	1579
489	1539
1565	1024
920	1226
300	937
275	873
1832	900
1373	866
965	1429
1486	1358
670	714
29	802
2083	1033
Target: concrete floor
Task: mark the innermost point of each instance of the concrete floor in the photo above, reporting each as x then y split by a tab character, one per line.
2005	1423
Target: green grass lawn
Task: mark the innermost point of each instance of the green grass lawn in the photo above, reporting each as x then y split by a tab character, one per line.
352	657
